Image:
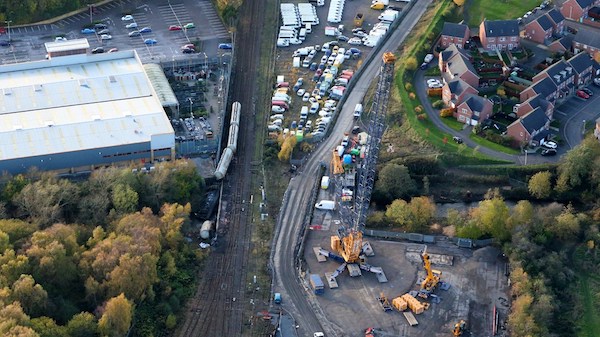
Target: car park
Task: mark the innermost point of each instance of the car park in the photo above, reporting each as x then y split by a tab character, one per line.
98	50
134	33
88	31
582	94
131	25
127	18
145	30
548	152
105	37
175	27
150	41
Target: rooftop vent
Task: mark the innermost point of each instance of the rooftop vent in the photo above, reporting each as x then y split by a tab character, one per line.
37	87
127	113
112	79
563	73
18	127
96	117
557	77
83	83
50	123
7	91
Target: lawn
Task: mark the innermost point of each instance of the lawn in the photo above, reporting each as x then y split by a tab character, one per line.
589	323
453	123
498	10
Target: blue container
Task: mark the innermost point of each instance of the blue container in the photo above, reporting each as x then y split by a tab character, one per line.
347	159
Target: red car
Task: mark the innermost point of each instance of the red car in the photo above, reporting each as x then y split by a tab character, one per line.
174	27
582	94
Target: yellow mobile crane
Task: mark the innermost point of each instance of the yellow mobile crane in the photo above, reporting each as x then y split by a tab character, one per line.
433	276
459	328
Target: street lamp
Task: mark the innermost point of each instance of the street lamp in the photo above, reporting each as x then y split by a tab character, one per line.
91	14
205	62
191	104
8	28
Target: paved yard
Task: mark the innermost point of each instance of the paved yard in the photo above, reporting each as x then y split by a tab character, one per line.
576	114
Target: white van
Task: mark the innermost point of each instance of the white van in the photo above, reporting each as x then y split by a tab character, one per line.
308	28
304	111
325	182
358	111
302	34
327	205
286	34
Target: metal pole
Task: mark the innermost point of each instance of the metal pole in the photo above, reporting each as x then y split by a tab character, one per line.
8	28
91	14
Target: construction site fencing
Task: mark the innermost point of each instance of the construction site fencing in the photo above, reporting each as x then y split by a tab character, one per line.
429	239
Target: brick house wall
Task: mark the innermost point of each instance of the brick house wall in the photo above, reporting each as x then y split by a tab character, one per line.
536	33
572	11
518	132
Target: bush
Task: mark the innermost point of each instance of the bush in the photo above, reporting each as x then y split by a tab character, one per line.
422	117
447	112
438	104
408	86
418	109
412	95
435	92
411	63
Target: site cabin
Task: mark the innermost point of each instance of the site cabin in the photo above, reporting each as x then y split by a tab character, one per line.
325	182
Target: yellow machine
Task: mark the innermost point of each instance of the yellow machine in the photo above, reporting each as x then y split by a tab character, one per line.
336	163
459	328
433	276
349	247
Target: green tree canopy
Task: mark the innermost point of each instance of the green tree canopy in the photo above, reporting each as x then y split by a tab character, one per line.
116	319
540	185
394	182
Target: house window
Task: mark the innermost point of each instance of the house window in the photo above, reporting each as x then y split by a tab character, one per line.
460	40
445	37
461	118
521	134
476	113
464	110
492	39
502	39
514	38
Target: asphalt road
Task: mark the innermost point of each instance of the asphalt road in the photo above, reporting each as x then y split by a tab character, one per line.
575	115
309	317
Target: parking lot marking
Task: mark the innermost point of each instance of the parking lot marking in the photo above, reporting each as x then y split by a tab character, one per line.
560	112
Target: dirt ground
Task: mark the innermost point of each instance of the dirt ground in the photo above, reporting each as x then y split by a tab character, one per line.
476	278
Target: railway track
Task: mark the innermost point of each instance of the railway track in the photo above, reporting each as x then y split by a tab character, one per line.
217	308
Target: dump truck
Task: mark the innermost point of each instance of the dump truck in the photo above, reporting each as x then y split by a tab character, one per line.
358	19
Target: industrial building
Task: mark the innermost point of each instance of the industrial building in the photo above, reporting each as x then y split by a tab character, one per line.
78	112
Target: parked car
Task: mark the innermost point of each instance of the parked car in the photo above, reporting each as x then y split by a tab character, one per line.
458	140
188	46
150	41
146	30
588	91
100	26
112	50
343	38
98	50
225	46
131	25
104	31
105	37
4	43
301	92
88	31
597	81
550	145
127	18
582	94
60	39
175	27
434	83
548	152
355	41
188	51
189	25
134	33
306	96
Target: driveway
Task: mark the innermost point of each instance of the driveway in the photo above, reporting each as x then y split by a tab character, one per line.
575	114
433	114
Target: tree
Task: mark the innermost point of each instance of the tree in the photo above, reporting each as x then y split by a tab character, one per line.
413	216
32	296
411	63
134	276
394	182
116	319
14	322
522	214
17	229
12	267
399	213
540	185
47	327
423	210
287	148
459	3
124	198
83	325
14	186
520	321
576	165
491	216
567	225
43	201
4	242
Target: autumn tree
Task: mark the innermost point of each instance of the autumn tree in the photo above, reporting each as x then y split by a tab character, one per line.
32	296
413	216
540	185
14	322
44	201
13	266
17	229
577	164
47	327
117	316
411	63
82	325
287	147
490	216
567	225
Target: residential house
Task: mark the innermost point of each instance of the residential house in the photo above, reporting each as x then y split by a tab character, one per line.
499	34
539	30
455	63
455	91
561	45
597	129
531	104
577	10
562	75
454	33
583	65
526	128
544	87
558	21
587	40
473	110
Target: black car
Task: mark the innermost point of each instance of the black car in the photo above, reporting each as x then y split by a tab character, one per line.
355	130
4	43
588	91
548	152
100	26
98	50
188	51
458	140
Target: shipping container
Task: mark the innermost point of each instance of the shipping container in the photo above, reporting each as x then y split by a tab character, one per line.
317	284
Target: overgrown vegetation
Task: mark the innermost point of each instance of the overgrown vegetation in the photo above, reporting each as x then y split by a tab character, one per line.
96	257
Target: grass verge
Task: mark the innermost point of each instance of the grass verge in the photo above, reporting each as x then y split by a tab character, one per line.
494	146
414	49
498	10
453	123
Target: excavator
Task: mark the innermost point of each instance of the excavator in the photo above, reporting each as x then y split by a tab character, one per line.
433	276
459	328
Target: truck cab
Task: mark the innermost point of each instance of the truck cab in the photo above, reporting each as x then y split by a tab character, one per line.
277	298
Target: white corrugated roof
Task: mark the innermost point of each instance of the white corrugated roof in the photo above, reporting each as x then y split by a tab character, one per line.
77	102
161	85
53	47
